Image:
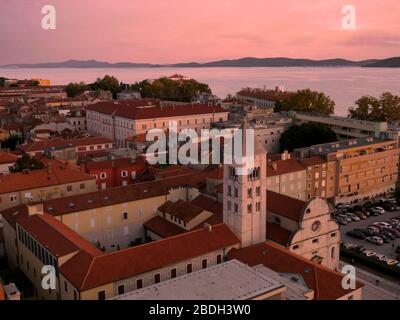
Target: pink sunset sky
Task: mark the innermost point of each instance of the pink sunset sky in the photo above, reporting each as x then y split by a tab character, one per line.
168	31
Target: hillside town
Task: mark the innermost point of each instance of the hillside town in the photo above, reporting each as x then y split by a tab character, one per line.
79	193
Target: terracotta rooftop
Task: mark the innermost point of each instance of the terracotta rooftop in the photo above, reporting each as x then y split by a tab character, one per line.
55	236
115	163
183	210
56	175
6	157
279	167
327	284
39	146
148	109
88	201
87	272
285	206
216	173
312	161
163	228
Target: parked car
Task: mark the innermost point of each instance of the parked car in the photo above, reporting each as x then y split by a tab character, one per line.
379	209
382	236
367	252
348	245
356	234
343	216
375	213
341	221
361	215
352	216
367	232
375	240
394	232
391	262
382	224
388	234
373	228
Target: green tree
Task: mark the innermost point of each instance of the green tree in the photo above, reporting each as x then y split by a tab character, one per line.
26	162
305	135
384	108
167	89
11	142
108	83
75	89
2	80
308	101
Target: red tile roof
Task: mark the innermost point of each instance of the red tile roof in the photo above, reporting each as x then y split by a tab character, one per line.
163	228
312	161
278	234
115	163
326	283
56	175
86	272
183	210
216	173
39	146
279	167
147	109
285	206
55	236
6	157
93	200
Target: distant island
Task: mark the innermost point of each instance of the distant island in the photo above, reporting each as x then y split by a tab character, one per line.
236	63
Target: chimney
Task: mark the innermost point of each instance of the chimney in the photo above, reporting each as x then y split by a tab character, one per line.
286	155
208	227
35	209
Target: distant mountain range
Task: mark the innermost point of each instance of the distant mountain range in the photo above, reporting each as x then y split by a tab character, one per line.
238	63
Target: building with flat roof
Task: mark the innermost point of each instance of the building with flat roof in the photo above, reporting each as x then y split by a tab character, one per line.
232	280
359	168
123	119
347	128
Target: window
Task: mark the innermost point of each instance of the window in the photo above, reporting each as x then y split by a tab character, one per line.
124	173
333	235
13	198
121	289
65	286
69	188
296	247
258	191
173	273
157	278
103	175
101	295
258	206
333	252
139	283
125	215
315	241
219	258
189	268
204	263
277	220
82	186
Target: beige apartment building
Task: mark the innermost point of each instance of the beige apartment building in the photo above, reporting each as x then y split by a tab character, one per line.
123	119
287	176
56	181
359	168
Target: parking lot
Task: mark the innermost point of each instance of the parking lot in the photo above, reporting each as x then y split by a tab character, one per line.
387	249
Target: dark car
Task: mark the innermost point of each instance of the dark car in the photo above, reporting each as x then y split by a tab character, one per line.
356	234
382	236
388	234
394	232
366	232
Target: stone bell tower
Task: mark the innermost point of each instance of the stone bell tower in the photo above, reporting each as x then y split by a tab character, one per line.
245	191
